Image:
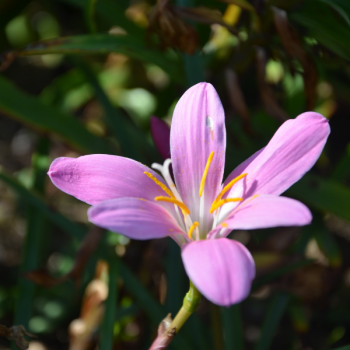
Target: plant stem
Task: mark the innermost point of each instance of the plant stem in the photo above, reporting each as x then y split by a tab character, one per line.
190	304
167	332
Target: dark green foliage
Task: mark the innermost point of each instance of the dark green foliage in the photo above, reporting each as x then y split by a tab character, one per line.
68	87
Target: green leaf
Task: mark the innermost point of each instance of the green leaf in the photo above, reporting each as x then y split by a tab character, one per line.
90	15
107	327
342	169
33	199
326	241
282	271
30	111
324	25
275	312
346	347
338	9
152	308
105	44
36	229
232	326
324	195
132	141
111	13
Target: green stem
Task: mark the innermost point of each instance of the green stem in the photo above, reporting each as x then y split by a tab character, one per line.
190	304
106	332
89	15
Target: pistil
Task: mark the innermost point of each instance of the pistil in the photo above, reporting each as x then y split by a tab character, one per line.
190	231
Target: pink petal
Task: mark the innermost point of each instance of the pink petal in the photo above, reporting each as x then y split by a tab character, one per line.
99	177
197	129
160	131
269	211
134	218
292	151
221	269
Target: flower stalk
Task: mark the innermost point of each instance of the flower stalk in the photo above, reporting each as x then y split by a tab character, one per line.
167	328
190	304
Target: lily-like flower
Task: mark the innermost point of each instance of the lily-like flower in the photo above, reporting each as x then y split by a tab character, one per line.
198	211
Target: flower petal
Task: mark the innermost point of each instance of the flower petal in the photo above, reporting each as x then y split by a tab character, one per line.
221	269
99	177
197	129
134	218
268	211
292	151
160	131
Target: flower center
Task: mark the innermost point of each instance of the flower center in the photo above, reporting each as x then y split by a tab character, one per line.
175	198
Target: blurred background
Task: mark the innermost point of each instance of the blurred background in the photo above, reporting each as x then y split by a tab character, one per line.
85	76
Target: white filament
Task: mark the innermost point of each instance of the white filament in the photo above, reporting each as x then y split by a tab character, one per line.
201	212
164	170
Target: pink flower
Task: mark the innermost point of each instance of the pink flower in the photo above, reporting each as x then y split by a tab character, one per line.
199	212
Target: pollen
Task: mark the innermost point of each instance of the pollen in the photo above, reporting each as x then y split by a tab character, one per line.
161	185
228	187
174	201
210	159
224	225
220	203
190	231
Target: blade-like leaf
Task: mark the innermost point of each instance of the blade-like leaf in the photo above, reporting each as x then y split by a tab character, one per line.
28	110
232	326
282	271
132	142
275	312
36	201
326	195
107	327
326	241
111	13
104	44
327	27
36	228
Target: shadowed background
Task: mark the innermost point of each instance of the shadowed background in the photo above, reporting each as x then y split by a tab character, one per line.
85	76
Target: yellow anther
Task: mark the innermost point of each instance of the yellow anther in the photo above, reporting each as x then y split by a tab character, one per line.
201	187
174	201
161	185
224	225
220	203
190	231
228	186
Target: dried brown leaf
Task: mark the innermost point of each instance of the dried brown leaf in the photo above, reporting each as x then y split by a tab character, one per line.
171	29
82	330
16	333
236	95
202	15
43	278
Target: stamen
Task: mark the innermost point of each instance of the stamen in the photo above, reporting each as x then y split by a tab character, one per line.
174	201
201	188
163	187
164	169
190	231
228	186
220	203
